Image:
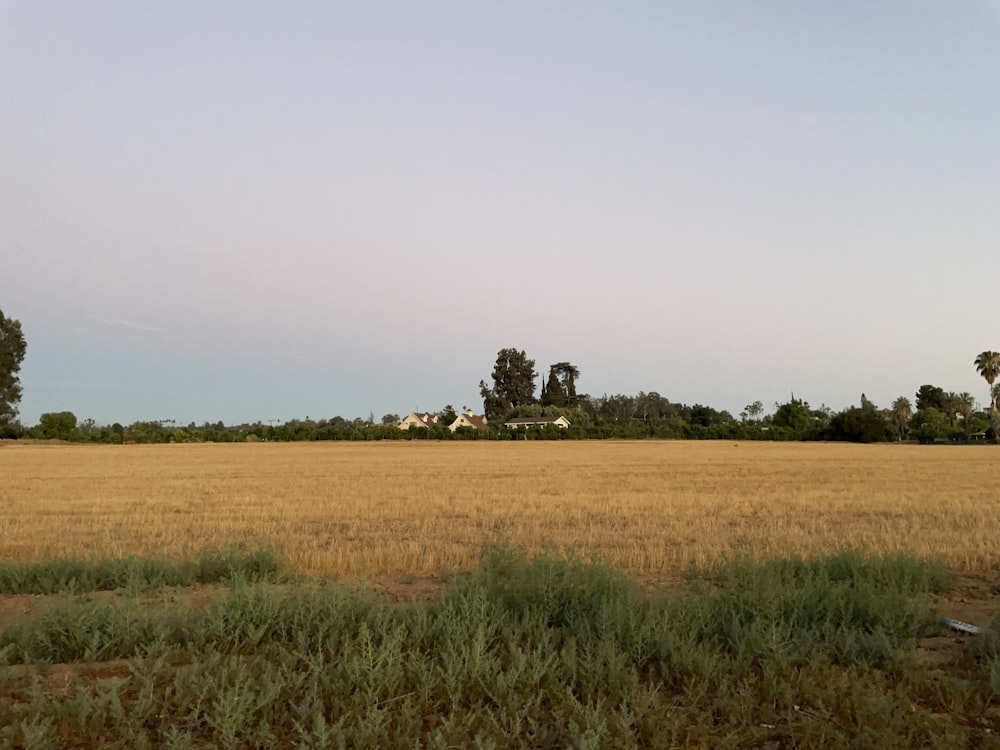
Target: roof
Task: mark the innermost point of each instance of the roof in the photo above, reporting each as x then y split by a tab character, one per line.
425	420
473	420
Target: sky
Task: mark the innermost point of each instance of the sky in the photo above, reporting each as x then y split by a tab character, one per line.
245	211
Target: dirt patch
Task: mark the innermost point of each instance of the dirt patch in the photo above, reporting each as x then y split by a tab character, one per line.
653	587
974	599
62	680
406	588
19	608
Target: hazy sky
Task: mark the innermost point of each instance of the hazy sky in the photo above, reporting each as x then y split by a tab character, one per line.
241	211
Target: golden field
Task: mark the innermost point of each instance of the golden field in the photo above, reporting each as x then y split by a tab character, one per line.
653	508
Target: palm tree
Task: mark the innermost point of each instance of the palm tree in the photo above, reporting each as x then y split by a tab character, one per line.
965	403
568	373
902	410
952	408
988	365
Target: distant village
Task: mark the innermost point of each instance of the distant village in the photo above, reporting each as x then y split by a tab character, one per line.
469	419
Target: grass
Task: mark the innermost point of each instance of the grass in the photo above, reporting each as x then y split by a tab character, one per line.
134	574
523	651
651	508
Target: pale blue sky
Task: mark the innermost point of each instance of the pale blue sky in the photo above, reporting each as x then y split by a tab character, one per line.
240	211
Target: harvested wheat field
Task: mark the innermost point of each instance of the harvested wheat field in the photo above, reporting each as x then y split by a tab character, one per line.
652	508
448	644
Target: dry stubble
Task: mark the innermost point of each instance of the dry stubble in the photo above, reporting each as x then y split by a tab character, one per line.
654	508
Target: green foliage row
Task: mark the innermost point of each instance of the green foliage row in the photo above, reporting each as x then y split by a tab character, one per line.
618	417
544	652
940	416
134	574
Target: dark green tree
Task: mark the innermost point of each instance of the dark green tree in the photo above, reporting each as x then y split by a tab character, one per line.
860	425
57	425
617	408
795	415
568	374
553	392
651	407
513	384
152	432
12	350
928	425
706	416
931	397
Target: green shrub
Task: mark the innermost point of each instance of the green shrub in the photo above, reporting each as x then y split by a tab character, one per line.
550	651
77	576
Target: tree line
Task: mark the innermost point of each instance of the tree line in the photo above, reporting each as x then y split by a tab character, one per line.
933	415
621	416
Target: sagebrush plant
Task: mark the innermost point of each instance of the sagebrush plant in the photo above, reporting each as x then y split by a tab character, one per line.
544	651
985	652
86	631
134	574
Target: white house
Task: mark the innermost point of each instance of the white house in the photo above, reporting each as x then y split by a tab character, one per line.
418	419
519	422
468	419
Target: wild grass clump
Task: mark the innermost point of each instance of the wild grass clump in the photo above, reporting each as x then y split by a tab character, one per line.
898	572
560	587
137	574
985	652
850	607
551	651
85	632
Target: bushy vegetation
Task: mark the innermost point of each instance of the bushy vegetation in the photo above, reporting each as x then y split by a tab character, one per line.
985	652
552	651
645	415
135	574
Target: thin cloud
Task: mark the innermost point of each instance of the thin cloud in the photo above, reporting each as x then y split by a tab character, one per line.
125	324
